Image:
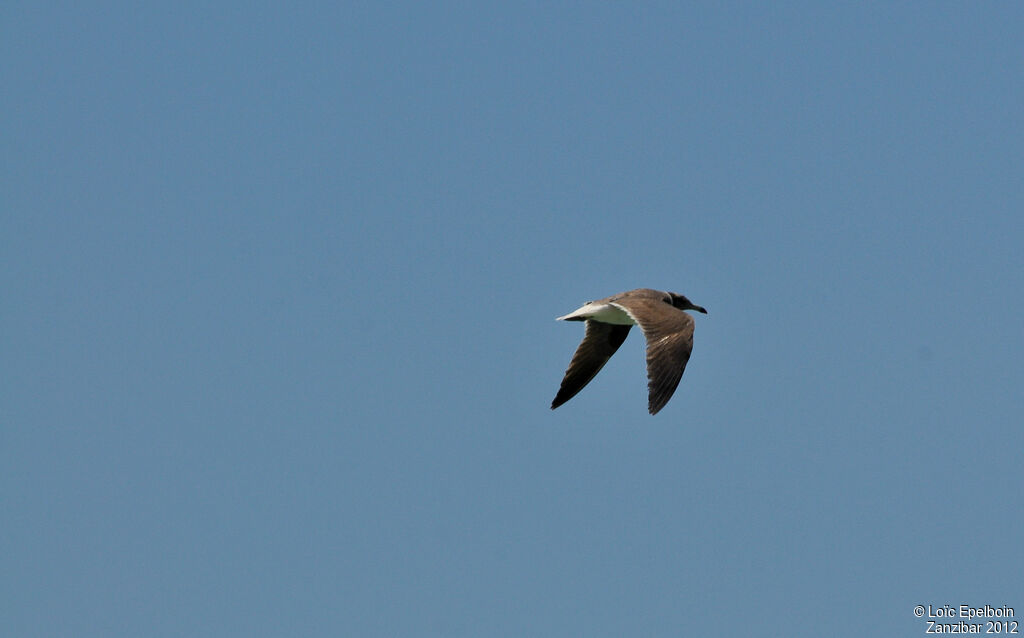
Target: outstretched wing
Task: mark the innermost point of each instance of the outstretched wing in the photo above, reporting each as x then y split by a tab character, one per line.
599	343
669	334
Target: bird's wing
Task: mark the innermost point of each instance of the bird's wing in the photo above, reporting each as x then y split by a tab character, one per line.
669	334
600	342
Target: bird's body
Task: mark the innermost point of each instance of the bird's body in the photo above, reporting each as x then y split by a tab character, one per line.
668	330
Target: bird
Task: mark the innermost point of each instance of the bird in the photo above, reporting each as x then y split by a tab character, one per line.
668	330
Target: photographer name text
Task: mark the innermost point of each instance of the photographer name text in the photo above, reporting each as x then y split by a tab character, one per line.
995	620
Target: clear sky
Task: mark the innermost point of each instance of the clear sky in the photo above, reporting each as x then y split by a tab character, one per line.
279	284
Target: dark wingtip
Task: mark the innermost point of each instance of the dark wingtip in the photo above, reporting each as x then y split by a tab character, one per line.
653	405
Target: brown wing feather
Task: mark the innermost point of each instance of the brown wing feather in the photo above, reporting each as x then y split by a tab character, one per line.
599	343
669	334
666	361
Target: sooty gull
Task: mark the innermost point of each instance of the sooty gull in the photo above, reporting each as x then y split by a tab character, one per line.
668	330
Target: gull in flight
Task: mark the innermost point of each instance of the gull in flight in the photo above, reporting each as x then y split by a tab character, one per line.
668	330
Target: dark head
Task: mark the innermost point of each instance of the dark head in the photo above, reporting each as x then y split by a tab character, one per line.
681	302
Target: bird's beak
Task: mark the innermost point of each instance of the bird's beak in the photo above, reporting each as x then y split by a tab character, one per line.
699	309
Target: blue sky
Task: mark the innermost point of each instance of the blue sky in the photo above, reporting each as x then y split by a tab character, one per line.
278	339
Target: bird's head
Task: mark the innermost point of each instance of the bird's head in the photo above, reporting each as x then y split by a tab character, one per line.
681	302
